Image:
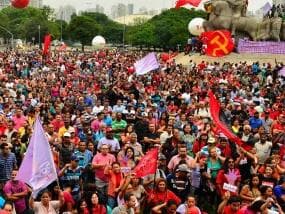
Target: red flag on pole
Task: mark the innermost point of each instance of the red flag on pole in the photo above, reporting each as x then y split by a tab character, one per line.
181	3
147	164
215	113
47	43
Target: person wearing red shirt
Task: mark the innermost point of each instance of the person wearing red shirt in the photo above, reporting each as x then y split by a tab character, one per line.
230	175
279	126
230	204
3	127
57	123
161	194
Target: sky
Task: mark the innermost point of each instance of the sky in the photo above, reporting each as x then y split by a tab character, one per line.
149	4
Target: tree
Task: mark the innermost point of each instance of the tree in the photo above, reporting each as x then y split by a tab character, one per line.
166	29
143	35
83	29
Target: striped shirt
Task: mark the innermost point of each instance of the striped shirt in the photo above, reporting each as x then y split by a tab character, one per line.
7	164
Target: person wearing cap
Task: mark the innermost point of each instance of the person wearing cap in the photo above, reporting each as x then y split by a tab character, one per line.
179	181
211	143
71	175
66	149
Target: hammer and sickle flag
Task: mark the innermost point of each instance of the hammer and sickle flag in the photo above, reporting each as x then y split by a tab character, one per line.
219	43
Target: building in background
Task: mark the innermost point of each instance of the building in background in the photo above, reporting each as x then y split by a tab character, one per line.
276	2
36	3
4	3
130	9
65	13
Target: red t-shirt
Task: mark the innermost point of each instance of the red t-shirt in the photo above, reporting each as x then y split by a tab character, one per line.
228	210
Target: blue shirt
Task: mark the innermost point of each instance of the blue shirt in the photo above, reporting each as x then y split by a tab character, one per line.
279	191
84	158
7	164
255	123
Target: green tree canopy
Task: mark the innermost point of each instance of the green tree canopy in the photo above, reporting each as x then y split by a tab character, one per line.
83	29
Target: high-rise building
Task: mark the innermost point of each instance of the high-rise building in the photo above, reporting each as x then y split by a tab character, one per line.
4	3
276	2
65	13
130	9
36	3
122	10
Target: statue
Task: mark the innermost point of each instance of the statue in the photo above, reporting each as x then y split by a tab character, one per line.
276	24
263	32
231	15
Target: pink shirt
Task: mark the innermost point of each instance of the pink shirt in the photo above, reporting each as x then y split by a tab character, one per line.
19	121
16	187
105	160
176	159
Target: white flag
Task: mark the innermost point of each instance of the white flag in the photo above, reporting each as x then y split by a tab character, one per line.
146	64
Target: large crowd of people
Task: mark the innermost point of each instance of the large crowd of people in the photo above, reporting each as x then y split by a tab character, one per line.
101	119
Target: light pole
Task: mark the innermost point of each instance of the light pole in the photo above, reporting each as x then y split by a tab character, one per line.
11	34
61	26
39	27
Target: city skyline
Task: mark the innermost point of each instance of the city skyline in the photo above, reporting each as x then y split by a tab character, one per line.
82	5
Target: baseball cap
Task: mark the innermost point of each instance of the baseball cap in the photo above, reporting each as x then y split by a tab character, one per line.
161	157
71	130
211	140
74	158
183	168
66	134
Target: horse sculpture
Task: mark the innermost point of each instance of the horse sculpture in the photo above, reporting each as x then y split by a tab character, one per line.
231	15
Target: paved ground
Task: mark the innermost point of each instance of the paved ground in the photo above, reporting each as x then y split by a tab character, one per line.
234	57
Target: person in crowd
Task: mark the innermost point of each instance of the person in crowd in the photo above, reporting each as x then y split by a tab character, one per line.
45	205
16	191
95	98
128	207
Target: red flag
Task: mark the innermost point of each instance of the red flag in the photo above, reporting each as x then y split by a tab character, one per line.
147	164
181	3
219	43
215	112
47	43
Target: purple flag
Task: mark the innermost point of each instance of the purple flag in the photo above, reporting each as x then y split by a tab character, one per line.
282	72
146	64
38	169
266	8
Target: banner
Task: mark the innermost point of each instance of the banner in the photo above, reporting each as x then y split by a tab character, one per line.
146	64
38	169
218	43
148	164
215	113
267	47
181	3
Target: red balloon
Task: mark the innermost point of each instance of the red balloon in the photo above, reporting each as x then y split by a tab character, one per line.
20	3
